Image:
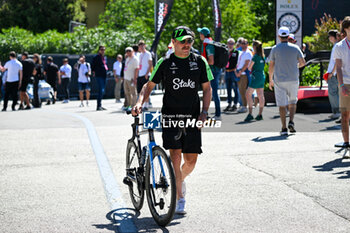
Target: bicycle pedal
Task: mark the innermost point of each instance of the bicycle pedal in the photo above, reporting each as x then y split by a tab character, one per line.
161	203
127	181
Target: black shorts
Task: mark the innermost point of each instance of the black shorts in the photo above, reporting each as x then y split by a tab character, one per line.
53	84
140	82
191	143
24	85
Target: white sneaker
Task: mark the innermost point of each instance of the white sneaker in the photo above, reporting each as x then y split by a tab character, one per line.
81	105
242	109
87	103
183	189
334	116
180	206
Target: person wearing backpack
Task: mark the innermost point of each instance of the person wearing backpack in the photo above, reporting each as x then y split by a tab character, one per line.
208	51
84	73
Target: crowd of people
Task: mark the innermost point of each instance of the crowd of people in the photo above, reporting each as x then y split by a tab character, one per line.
244	76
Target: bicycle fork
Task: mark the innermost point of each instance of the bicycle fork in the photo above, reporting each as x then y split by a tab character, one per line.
162	182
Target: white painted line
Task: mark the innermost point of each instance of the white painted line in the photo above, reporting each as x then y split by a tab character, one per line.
112	191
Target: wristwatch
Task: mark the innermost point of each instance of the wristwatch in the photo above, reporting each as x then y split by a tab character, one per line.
205	112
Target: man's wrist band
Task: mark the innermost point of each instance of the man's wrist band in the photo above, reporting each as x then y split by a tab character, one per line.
205	112
341	85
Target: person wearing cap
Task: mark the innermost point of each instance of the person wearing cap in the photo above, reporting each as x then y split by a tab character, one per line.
291	38
131	70
28	72
208	52
117	68
342	63
65	72
183	73
52	74
285	60
331	78
99	71
230	77
145	63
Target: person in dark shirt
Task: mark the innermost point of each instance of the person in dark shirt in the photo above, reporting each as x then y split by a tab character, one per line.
38	76
182	75
230	77
28	72
99	71
52	74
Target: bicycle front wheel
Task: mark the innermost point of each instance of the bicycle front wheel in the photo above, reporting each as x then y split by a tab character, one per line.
135	173
161	188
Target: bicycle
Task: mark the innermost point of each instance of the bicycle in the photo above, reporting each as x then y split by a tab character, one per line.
146	173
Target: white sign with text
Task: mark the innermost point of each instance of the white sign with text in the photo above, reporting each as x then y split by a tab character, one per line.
289	14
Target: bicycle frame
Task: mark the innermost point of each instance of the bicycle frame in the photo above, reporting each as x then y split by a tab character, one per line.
151	144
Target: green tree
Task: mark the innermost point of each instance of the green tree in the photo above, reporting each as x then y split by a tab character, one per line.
319	40
119	14
265	13
237	18
41	15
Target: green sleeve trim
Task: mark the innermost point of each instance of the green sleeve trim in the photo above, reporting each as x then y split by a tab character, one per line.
207	68
160	61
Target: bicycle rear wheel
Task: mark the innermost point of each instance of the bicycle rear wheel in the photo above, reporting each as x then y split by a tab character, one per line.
161	198
135	174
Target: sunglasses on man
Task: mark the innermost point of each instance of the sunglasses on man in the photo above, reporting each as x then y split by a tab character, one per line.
188	41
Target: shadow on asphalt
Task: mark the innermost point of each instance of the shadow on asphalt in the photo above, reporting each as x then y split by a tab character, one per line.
335	127
119	217
325	120
272	138
276	117
337	163
244	122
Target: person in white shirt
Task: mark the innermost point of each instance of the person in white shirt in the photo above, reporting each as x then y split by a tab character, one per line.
333	90
131	70
117	68
65	72
84	73
145	61
244	59
342	63
13	80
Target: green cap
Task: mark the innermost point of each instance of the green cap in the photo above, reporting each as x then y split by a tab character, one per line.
182	33
204	30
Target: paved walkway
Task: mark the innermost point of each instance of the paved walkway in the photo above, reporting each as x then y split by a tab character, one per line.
249	179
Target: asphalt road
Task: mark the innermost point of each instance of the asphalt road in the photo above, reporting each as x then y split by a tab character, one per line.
56	177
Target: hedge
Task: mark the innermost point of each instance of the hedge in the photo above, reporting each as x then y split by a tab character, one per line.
81	41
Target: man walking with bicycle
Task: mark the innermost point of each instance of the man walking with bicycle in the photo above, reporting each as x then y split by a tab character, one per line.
182	74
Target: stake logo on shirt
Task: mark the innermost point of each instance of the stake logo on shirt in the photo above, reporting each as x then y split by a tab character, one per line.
179	83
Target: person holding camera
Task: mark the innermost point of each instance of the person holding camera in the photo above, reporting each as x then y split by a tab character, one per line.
84	73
